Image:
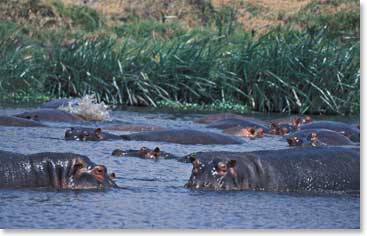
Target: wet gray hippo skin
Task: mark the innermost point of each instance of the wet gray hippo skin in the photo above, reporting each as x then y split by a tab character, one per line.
89	134
144	153
16	121
54	104
183	136
52	170
348	130
323	136
50	115
230	123
307	169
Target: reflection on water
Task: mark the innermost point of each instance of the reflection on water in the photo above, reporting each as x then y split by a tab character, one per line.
152	193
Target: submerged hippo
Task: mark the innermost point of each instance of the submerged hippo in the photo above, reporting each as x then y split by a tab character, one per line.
54	104
251	132
183	136
50	115
136	127
16	121
348	130
287	125
52	170
143	152
223	116
317	137
88	134
239	123
307	169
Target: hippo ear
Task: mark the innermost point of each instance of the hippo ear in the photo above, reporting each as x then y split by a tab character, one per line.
98	132
273	125
252	130
307	119
195	162
291	141
113	175
296	122
313	135
231	163
192	159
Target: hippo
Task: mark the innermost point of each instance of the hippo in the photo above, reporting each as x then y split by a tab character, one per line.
183	136
240	123
348	130
16	121
222	116
250	132
89	134
53	115
52	170
310	141
54	104
317	137
294	121
136	127
144	153
304	169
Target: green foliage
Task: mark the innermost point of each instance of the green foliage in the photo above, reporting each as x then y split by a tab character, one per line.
149	28
164	65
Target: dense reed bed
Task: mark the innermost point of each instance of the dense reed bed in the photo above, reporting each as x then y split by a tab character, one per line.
157	64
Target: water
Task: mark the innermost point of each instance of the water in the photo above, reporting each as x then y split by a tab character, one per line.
152	193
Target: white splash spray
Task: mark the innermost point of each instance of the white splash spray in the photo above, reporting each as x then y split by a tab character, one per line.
89	108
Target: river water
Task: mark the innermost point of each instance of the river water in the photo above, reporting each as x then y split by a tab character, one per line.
152	193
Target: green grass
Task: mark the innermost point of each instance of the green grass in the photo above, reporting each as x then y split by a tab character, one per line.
150	63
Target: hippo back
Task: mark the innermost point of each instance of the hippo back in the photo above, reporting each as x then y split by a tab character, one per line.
230	123
348	130
17	121
54	104
312	169
183	136
52	115
325	136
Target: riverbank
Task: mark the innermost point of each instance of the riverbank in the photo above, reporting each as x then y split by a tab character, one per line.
307	65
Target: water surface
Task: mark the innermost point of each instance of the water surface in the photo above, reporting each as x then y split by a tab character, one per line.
152	193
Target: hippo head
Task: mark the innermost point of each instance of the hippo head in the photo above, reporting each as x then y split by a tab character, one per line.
295	141
30	116
251	132
307	119
83	174
84	134
278	129
151	153
214	175
296	122
311	140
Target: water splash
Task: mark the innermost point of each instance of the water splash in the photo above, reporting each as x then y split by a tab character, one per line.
89	108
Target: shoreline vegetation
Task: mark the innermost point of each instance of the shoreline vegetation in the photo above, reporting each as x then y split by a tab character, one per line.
198	55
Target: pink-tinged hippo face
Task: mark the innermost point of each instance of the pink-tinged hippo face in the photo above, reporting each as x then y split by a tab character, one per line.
84	175
213	175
